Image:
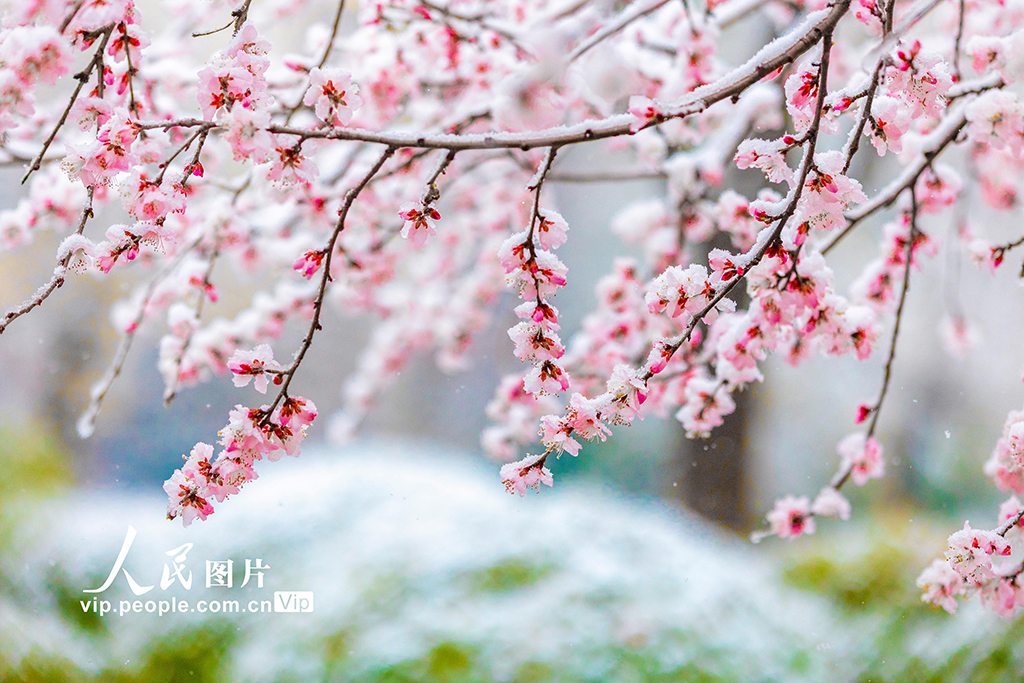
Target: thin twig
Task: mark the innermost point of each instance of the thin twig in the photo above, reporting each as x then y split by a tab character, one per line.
172	387
621	21
87	421
876	410
132	104
58	274
959	38
318	302
82	77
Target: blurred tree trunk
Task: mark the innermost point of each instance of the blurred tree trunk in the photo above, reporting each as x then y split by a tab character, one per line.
712	472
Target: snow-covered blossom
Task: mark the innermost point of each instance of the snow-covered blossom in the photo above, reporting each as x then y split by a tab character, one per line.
971	550
831	503
680	290
528	473
707	402
996	119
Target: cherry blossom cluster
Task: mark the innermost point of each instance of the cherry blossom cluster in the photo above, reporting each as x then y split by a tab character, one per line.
973	564
250	435
196	157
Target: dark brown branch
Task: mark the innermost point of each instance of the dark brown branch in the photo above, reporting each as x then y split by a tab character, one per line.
71	15
166	163
240	15
334	34
132	104
535	186
225	27
853	144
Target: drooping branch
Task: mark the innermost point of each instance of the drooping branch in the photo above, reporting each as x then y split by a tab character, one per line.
767	238
288	373
87	421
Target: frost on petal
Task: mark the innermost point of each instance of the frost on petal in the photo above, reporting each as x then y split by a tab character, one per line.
527	473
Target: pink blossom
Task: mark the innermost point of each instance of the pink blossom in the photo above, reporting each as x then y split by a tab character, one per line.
550	230
539	276
535	343
644	111
707	402
791	517
584	416
547	377
297	412
246	132
420	222
187	489
861	456
920	78
971	550
1009	509
628	391
938	187
309	263
766	155
254	364
831	503
958	335
891	121
541	313
555	434
941	584
243	435
679	290
35	53
996	118
332	95
985	52
290	167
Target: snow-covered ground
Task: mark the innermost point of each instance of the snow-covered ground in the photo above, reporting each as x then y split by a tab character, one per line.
407	552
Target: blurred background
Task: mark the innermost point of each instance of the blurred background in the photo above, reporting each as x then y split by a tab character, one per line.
636	567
